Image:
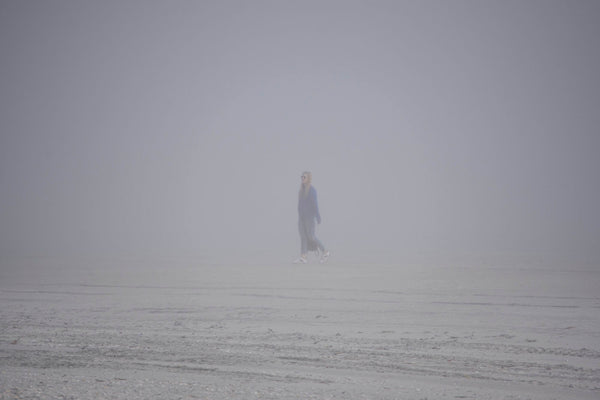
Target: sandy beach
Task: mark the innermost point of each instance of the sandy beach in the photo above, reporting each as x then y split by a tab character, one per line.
198	330
162	163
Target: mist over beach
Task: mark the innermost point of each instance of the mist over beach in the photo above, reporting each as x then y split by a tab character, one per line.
150	162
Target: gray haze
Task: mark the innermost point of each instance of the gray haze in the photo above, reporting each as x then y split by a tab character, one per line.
181	128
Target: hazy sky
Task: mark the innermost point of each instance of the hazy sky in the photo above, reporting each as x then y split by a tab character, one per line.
181	128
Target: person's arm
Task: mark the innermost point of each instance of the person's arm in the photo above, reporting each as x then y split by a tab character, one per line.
316	203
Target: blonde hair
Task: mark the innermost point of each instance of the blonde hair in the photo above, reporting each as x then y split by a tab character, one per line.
305	186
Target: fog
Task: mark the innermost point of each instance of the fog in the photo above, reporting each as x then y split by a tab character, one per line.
181	129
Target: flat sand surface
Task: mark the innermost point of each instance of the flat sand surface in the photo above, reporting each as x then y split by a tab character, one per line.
199	330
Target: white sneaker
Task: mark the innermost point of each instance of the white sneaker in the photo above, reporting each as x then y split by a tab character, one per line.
300	260
324	257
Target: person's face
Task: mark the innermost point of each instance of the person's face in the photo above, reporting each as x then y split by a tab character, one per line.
304	179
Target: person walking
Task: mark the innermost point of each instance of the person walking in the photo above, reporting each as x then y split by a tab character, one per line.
308	212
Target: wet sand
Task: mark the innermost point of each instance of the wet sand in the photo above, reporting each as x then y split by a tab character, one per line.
199	330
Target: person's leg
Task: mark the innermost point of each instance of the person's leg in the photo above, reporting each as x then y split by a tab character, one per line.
311	235
303	238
